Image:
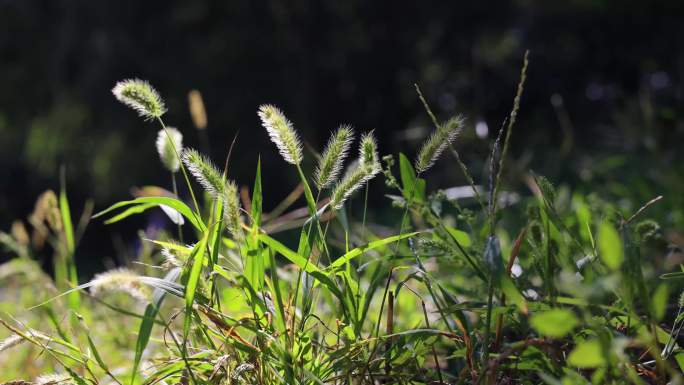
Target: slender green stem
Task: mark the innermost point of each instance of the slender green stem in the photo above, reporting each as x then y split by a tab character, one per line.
175	192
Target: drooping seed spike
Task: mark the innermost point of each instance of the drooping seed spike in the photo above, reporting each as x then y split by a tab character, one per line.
231	210
204	172
282	133
140	96
439	140
333	157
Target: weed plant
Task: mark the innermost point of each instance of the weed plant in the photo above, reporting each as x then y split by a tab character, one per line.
555	288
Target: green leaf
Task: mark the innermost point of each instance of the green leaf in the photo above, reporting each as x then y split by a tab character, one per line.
257	198
168	201
413	188
659	301
145	330
677	275
288	253
74	298
341	261
610	246
197	258
513	294
587	354
136	209
555	323
460	236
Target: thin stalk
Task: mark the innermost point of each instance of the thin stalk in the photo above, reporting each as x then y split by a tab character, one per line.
175	192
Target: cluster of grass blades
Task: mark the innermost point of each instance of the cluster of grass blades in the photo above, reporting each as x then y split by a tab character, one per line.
554	289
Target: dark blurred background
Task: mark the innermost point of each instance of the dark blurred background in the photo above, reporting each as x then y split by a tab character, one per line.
602	108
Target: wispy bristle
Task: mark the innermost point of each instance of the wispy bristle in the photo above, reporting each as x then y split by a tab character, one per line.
205	172
333	157
439	140
140	96
231	210
681	300
10	342
122	280
169	146
282	133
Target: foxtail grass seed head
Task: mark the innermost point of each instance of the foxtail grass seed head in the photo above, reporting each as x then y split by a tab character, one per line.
10	342
140	96
352	182
231	210
197	110
169	146
122	280
368	151
205	172
282	133
439	140
53	379
333	157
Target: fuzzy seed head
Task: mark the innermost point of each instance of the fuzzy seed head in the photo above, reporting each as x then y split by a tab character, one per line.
333	157
205	172
282	133
53	379
681	300
140	96
352	182
122	280
433	147
231	210
197	110
368	151
10	342
169	146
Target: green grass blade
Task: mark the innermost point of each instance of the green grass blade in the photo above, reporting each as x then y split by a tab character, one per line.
341	261
174	203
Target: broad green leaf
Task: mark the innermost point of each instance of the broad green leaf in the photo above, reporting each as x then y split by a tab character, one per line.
460	236
587	354
555	323
341	261
610	246
168	201
413	188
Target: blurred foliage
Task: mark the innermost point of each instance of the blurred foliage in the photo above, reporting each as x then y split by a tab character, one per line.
602	108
